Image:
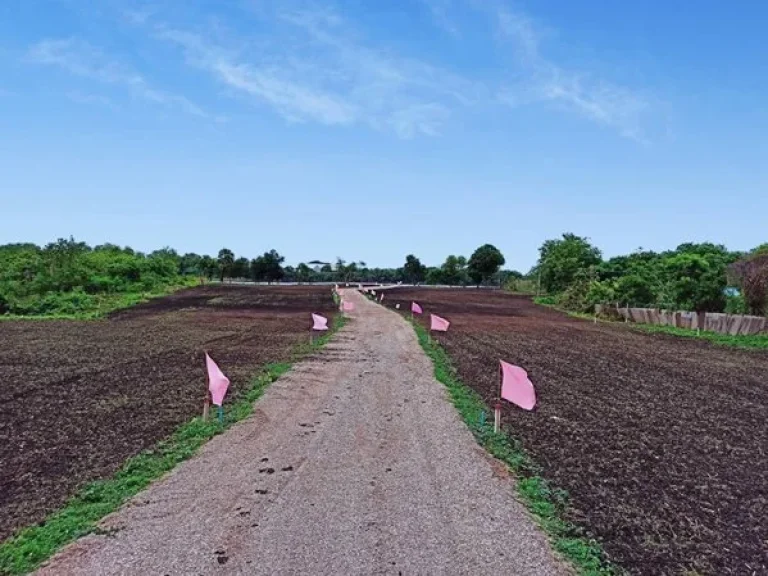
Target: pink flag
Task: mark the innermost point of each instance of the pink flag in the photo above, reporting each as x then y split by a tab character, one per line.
319	322
439	324
217	382
347	306
516	387
415	308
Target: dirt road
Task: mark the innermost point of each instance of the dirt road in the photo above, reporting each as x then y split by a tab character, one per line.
354	463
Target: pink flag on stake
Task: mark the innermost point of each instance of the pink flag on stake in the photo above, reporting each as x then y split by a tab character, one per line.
217	382
347	306
438	324
516	387
415	308
319	322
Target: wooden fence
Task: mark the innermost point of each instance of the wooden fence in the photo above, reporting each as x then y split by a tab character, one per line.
734	324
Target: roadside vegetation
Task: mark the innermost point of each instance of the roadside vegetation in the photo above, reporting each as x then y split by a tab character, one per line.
701	277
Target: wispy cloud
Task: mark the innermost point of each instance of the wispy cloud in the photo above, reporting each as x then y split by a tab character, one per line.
82	59
440	11
91	99
330	76
542	79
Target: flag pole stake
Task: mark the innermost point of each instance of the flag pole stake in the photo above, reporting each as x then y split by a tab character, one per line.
497	417
221	415
206	405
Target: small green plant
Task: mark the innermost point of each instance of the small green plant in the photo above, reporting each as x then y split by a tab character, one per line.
547	504
29	547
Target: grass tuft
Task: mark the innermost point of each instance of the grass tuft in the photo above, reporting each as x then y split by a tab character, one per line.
546	503
29	547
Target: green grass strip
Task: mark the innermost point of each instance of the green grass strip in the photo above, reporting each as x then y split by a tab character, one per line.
547	504
751	342
29	547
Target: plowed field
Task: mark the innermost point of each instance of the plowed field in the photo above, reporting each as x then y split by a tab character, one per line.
661	442
79	397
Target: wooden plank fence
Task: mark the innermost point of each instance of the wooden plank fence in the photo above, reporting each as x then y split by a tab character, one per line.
734	324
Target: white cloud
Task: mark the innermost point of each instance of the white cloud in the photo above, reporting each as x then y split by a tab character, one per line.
82	59
326	74
544	80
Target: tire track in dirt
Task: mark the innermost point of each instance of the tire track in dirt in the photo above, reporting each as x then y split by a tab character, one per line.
353	463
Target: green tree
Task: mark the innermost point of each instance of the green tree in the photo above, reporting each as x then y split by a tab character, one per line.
635	290
190	265
303	273
453	270
484	263
695	284
268	267
208	267
241	268
561	259
226	259
413	270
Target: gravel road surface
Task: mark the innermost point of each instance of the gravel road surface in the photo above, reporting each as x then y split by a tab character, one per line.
353	463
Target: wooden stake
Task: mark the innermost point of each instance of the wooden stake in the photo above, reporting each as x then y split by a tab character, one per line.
206	405
497	417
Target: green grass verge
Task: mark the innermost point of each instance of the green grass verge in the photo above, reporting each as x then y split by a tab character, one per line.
754	341
751	342
28	548
547	504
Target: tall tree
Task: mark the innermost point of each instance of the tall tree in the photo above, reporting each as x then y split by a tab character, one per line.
561	259
452	271
413	270
208	267
484	263
241	268
225	259
268	267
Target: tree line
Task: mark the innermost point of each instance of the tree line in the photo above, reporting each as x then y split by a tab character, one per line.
702	277
482	267
68	277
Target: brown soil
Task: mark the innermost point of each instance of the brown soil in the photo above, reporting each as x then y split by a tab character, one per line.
80	397
661	442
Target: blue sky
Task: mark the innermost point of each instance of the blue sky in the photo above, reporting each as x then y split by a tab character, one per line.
369	130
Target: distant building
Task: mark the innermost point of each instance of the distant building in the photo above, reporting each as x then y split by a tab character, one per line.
317	265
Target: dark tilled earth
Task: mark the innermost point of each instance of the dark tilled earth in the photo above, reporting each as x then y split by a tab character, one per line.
80	397
661	442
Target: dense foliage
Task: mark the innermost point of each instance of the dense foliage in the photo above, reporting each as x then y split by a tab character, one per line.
67	277
690	277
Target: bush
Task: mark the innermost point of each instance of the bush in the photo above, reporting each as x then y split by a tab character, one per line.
736	304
